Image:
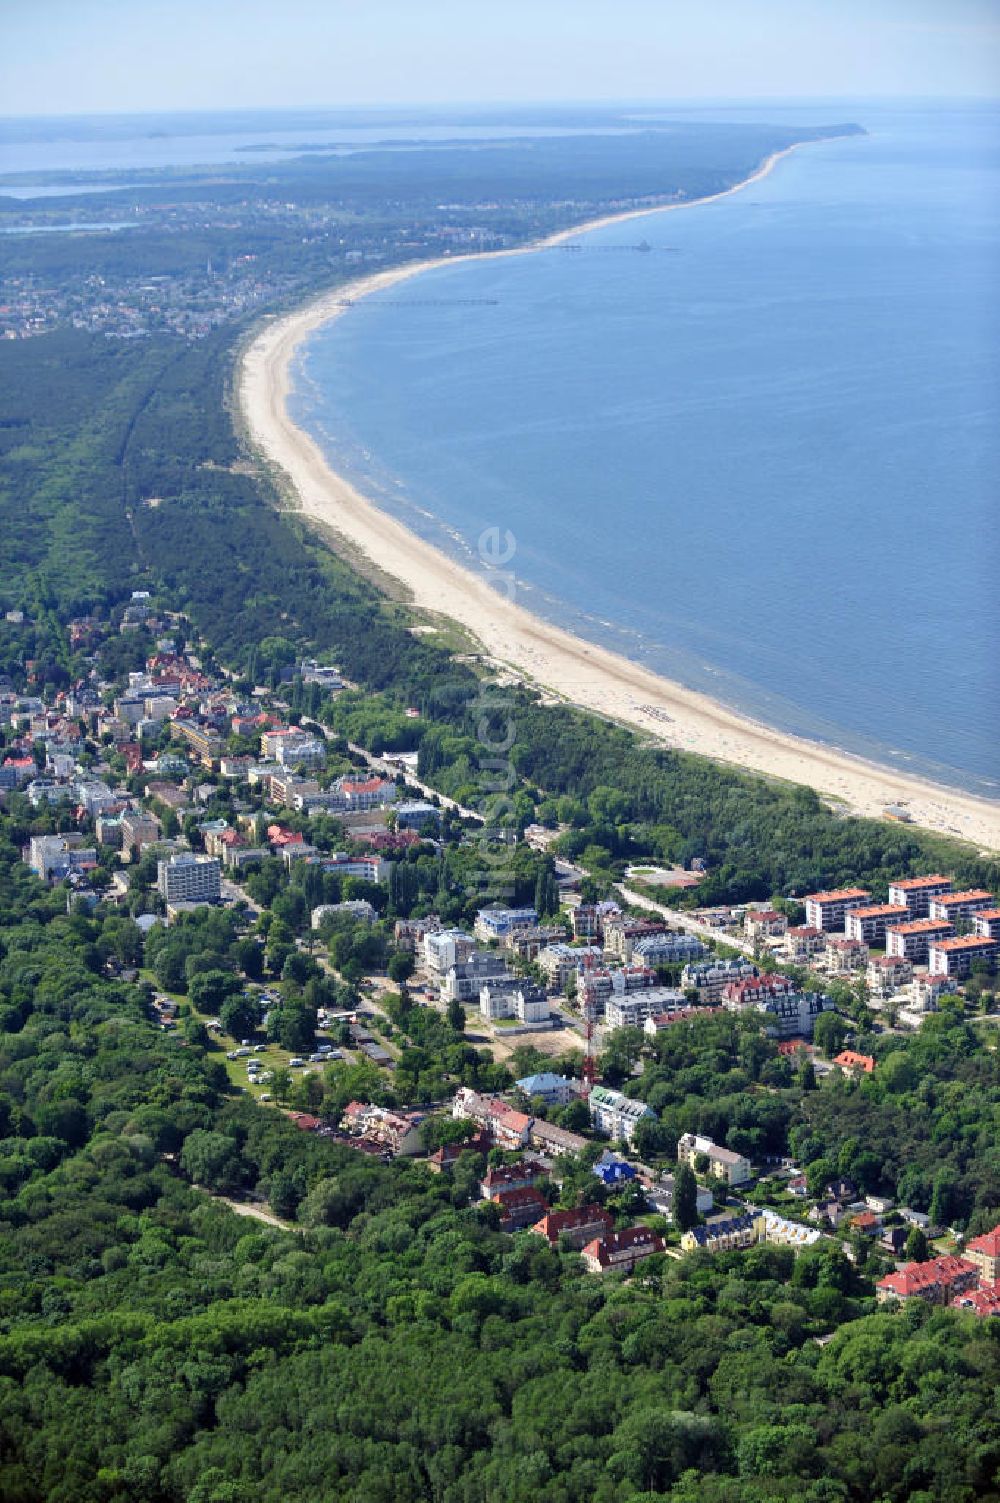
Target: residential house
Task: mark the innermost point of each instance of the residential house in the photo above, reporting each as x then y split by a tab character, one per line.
519	1176
464	981
843	955
632	1011
555	1141
619	1252
803	943
888	974
554	1090
855	1064
723	1163
709	978
519	1208
575	1228
494	923
764	923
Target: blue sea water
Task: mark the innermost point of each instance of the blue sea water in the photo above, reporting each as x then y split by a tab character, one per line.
763	458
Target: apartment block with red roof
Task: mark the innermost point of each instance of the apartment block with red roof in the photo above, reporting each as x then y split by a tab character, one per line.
986	923
869	924
959	907
936	1281
915	893
828	910
914	939
956	957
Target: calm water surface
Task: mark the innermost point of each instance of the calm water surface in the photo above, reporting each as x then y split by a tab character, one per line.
762	458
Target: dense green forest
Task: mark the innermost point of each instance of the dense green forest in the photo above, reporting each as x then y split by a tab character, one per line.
391	1345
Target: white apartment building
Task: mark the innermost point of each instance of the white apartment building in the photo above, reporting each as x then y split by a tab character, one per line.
444	948
632	1010
915	893
616	1114
870	923
189	879
828	910
913	940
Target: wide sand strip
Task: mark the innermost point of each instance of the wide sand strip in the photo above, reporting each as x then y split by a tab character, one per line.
585	674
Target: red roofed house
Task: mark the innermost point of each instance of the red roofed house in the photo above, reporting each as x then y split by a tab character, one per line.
578	1227
519	1208
936	1281
502	1177
619	1252
448	1153
765	923
985	1253
855	1064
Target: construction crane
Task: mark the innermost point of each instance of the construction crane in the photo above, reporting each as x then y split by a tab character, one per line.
588	1009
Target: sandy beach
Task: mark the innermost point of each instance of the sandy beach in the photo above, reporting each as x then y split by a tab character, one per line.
581	672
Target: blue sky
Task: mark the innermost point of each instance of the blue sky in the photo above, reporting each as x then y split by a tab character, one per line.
66	56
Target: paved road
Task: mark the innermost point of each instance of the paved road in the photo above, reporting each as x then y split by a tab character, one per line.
685	921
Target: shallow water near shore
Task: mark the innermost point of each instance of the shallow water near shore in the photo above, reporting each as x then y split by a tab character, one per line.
761	458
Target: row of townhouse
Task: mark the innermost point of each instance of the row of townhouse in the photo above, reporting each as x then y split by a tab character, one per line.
727	1233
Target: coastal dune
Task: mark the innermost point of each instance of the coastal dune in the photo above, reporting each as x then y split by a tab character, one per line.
484	600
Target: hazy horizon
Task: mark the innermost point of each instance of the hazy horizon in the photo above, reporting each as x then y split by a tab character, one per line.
94	57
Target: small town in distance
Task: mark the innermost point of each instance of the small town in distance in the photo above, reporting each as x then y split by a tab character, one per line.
280	894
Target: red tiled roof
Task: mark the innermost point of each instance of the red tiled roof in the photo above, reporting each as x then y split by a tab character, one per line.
917	1278
848	1059
914	884
555	1222
982	1302
988	1243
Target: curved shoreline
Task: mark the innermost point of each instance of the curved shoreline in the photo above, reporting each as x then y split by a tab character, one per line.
581	672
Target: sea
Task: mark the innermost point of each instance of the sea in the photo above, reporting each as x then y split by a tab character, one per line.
753	444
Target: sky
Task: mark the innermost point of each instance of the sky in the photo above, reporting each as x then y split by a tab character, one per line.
81	56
